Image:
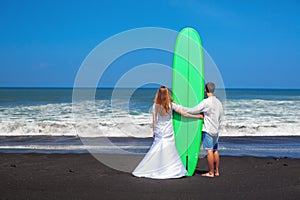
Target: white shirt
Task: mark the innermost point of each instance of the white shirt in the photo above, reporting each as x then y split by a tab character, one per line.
213	112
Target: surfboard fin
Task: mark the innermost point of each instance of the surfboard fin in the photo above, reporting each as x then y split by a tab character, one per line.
187	162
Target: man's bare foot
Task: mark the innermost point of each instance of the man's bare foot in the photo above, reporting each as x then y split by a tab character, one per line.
217	173
208	175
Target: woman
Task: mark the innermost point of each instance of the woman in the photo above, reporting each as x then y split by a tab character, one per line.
162	160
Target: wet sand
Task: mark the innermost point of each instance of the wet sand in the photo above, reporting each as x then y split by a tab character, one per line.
81	176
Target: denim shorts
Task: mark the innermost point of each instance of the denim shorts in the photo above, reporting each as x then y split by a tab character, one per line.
210	142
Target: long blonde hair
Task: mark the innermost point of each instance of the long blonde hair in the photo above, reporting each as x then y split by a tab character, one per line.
163	99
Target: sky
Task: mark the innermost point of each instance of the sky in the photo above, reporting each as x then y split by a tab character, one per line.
255	44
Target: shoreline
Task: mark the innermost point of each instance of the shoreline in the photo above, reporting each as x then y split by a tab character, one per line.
81	176
145	138
257	146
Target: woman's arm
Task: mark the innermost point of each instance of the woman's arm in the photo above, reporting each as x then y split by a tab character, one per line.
185	114
153	120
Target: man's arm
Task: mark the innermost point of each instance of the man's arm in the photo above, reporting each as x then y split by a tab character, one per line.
200	108
195	116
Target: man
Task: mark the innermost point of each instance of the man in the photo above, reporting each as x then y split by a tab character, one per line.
212	109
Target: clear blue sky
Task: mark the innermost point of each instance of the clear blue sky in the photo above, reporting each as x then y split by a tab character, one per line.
255	44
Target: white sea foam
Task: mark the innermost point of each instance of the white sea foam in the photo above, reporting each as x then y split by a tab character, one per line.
89	120
261	118
73	147
99	119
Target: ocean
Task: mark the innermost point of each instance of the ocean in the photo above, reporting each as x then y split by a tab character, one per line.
257	122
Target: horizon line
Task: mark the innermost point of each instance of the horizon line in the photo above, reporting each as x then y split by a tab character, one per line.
70	87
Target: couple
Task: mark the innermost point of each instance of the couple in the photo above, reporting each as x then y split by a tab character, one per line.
162	160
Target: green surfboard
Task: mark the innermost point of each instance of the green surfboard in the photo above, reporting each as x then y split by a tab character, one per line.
188	91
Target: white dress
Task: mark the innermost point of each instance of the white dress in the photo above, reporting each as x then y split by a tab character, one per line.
162	160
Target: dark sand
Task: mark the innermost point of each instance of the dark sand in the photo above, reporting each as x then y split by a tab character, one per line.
81	176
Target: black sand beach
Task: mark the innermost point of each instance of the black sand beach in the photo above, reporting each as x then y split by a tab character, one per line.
81	176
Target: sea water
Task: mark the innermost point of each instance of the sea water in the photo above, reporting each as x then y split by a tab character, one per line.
48	120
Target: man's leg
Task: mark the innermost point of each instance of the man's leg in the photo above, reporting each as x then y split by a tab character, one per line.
210	162
217	162
208	145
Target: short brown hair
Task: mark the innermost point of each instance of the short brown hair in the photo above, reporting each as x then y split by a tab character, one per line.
210	87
